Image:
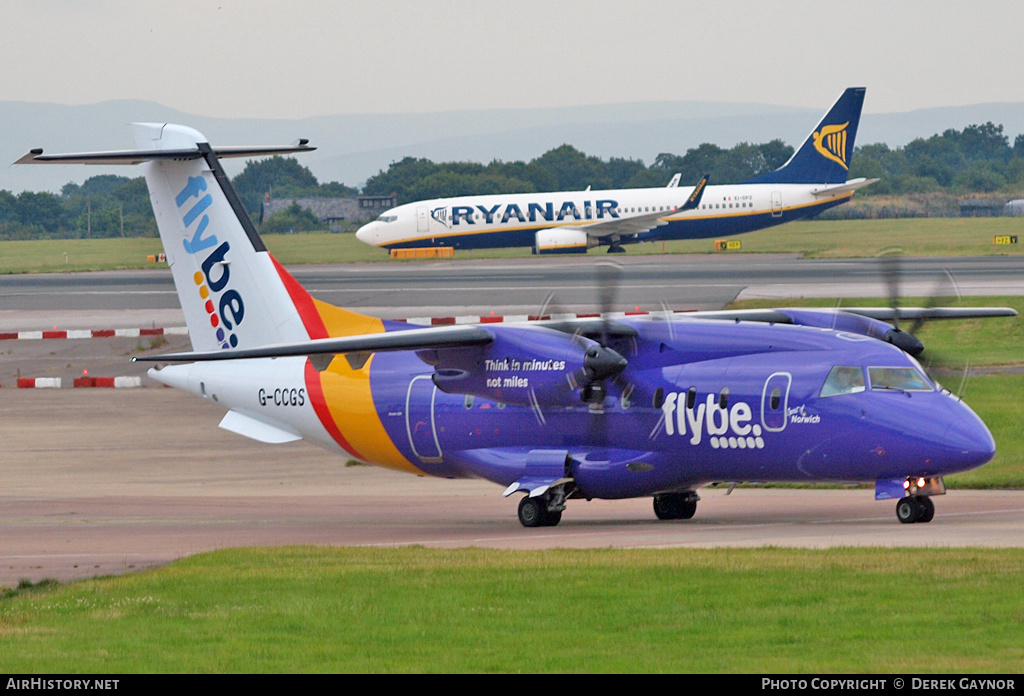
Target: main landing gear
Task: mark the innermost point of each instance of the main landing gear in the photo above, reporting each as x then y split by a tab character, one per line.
676	506
541	511
915	508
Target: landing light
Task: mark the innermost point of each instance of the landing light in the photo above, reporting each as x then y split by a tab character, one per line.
906	484
920	483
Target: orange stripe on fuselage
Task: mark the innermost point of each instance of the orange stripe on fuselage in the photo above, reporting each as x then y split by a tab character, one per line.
340	395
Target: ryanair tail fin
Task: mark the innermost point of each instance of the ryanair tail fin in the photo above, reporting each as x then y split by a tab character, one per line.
233	293
824	157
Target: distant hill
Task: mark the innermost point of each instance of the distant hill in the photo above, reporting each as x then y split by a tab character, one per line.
355	147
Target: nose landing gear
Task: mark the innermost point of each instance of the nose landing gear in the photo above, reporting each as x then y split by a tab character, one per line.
915	509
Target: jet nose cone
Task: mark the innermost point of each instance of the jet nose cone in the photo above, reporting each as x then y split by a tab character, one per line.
969	442
365	233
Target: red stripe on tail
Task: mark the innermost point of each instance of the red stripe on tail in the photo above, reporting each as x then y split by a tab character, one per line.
303	302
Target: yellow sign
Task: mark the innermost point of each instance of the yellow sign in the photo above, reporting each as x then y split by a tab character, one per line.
727	245
1004	239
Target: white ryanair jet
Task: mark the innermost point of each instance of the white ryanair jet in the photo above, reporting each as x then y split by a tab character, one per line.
813	180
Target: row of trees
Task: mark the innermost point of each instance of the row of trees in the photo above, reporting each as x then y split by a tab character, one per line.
978	159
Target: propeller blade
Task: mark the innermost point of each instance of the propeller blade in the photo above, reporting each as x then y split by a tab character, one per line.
892	275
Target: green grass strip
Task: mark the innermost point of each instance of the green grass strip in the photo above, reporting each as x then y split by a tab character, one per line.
419	610
811	238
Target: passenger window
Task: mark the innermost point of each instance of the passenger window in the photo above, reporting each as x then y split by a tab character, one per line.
898	378
775	399
843	380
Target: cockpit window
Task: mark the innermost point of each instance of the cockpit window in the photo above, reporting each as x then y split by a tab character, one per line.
387	218
898	378
843	380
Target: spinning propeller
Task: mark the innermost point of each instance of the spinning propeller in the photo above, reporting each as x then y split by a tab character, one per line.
906	340
601	362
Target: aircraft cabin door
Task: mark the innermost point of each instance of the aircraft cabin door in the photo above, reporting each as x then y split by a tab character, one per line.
419	419
776	203
775	401
422	219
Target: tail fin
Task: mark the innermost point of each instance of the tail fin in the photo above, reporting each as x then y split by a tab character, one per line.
824	158
232	291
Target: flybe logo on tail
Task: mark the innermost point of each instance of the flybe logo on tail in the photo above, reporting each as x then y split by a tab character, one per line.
830	142
223	304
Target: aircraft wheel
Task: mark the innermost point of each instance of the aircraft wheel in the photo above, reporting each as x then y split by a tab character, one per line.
532	512
662	508
687	509
553	518
927	509
675	506
909	510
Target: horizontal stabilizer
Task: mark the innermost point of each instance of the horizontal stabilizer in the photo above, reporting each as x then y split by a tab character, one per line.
840	189
36	156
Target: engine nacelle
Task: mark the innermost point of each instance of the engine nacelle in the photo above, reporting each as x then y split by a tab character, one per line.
525	367
562	240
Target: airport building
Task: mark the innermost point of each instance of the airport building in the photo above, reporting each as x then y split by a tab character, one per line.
333	212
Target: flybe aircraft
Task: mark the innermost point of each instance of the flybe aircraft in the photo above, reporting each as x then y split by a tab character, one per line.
556	411
814	179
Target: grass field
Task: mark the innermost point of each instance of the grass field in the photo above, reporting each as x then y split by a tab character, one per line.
295	610
817	239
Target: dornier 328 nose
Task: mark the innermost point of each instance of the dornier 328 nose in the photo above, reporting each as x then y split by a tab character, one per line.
968	441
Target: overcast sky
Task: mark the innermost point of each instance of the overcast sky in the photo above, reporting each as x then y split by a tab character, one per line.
300	58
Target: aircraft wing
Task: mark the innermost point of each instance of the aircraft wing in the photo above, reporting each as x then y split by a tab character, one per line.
839	189
930	313
462	336
648	221
785	316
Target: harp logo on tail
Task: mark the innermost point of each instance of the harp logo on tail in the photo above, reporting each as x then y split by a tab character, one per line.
830	142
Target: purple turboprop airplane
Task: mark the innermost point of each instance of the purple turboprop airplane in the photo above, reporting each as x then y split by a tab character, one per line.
555	410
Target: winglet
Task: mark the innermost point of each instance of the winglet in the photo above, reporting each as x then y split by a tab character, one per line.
698	192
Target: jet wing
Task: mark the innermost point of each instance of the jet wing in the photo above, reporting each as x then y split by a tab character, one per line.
462	336
648	221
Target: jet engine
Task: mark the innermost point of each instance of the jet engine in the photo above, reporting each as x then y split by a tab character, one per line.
562	240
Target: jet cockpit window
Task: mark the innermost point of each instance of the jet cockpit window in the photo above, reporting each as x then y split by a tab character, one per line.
898	378
843	380
387	218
